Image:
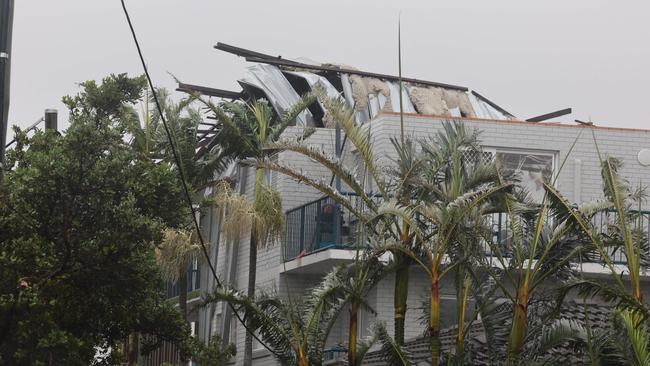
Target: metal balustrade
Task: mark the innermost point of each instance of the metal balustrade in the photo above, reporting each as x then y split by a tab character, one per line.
311	228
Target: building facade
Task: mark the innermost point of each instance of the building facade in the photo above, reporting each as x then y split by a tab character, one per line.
539	150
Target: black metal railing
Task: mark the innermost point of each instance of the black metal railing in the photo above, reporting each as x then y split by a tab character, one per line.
602	222
312	228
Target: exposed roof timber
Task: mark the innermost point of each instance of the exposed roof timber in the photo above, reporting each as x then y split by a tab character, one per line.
546	116
220	93
247	53
584	123
492	104
287	63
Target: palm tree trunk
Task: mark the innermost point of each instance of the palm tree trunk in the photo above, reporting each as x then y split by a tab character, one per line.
401	287
401	297
252	274
434	317
182	296
519	324
461	307
302	359
352	334
252	268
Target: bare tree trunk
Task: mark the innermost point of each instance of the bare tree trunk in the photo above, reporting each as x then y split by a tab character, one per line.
132	349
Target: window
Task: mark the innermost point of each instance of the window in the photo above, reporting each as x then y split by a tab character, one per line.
233	329
194	276
531	168
270	175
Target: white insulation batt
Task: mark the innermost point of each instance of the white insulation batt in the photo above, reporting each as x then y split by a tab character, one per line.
368	96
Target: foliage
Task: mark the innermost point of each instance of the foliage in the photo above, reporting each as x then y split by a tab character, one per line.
294	329
215	353
79	217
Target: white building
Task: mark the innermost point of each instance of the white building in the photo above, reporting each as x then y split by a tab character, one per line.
535	147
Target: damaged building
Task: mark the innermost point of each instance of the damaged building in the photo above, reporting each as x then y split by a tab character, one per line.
533	146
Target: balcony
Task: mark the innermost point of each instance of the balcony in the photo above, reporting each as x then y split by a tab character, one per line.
311	230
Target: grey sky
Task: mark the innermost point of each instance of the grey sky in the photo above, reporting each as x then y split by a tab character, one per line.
529	57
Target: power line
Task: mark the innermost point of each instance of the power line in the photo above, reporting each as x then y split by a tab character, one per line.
182	176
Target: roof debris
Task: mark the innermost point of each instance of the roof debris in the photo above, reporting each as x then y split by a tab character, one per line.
282	82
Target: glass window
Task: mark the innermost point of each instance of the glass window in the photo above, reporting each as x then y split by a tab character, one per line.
531	168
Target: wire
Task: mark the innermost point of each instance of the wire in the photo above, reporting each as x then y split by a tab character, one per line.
182	176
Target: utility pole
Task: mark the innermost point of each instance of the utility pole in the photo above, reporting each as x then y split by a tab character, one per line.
6	27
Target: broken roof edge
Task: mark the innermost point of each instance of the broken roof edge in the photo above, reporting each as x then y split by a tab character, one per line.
513	121
258	57
492	104
204	90
288	63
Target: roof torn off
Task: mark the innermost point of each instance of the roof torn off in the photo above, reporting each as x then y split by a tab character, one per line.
283	81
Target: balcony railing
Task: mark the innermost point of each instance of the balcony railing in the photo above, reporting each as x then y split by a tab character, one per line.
311	228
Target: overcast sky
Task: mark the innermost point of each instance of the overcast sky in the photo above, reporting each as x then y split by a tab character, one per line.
529	57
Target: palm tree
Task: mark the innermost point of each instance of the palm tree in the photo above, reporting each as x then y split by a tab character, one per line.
625	235
143	129
178	250
353	283
378	210
245	128
294	330
458	191
537	248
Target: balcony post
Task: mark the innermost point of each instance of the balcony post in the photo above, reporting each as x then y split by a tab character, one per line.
302	230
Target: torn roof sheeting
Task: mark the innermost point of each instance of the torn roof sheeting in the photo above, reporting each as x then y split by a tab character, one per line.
368	94
278	91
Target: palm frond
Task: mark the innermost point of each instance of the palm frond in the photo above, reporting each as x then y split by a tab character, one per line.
321	186
291	114
356	135
638	336
391	352
178	248
331	163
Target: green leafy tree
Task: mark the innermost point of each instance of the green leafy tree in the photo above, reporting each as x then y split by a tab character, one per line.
80	215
